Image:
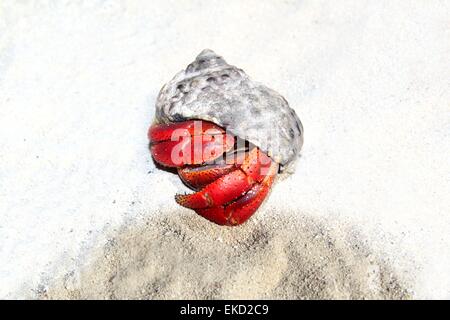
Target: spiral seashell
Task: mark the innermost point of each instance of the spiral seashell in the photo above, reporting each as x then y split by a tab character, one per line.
210	89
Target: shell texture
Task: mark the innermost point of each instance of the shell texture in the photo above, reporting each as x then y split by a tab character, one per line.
210	89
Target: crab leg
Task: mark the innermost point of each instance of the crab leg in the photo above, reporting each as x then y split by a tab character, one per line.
239	211
230	186
197	177
186	143
230	190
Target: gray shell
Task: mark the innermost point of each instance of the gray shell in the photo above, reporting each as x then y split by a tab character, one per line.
211	89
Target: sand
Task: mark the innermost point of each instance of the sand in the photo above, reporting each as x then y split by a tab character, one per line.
84	212
185	257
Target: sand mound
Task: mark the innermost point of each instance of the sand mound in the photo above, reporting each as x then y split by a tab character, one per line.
184	256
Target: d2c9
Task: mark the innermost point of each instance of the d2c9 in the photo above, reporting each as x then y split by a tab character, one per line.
246	309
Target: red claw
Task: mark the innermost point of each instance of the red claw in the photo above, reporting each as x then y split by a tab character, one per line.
164	132
187	143
229	191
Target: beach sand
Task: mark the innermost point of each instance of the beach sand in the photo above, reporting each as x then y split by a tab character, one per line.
181	256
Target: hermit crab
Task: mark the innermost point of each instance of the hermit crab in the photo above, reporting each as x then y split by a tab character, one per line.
225	135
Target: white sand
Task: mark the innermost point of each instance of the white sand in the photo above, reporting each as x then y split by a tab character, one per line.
84	212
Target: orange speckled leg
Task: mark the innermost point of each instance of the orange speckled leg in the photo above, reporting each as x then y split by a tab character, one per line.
228	187
199	177
239	211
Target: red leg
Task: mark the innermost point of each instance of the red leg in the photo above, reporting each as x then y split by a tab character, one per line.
221	191
231	190
243	208
228	187
198	177
239	211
